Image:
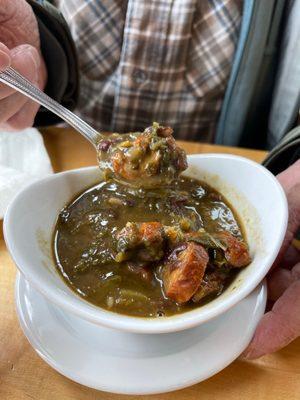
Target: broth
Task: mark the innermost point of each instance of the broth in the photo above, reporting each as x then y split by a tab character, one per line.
89	248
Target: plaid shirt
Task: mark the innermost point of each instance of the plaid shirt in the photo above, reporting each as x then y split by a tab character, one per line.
154	60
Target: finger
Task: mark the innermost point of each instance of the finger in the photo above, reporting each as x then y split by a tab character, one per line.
280	280
4	57
24	59
290	181
11	105
24	117
289	176
290	257
278	327
5	62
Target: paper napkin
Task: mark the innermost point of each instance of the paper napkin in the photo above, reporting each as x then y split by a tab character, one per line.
23	159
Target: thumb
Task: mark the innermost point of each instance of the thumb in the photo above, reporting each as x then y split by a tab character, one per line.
279	326
26	59
5	59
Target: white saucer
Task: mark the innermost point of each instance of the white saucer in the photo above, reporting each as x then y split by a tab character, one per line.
129	363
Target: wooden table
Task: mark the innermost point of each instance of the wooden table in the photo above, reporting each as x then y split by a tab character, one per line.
24	376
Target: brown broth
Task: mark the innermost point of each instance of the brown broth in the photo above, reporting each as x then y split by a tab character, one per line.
84	241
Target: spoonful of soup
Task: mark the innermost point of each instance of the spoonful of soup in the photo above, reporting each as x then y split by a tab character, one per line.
147	159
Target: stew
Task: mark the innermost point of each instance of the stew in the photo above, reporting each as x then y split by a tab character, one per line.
149	252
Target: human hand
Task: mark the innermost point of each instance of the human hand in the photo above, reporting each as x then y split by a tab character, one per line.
281	324
19	48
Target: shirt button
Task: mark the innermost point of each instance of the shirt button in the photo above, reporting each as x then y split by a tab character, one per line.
139	76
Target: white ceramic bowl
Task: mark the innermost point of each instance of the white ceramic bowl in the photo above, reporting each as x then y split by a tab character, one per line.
253	192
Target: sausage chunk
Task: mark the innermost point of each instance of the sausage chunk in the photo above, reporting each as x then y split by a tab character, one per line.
184	271
236	252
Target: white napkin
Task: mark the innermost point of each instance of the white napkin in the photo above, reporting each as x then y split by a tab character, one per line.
23	159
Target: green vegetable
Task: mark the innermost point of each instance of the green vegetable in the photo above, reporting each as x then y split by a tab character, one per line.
207	240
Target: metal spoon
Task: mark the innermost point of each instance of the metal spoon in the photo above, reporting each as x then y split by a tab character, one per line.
18	82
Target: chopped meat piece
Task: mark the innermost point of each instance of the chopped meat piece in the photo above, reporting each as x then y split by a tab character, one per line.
212	283
184	271
163	131
173	235
236	252
151	232
179	160
143	141
144	241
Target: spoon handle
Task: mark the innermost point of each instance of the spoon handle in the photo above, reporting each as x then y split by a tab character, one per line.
17	81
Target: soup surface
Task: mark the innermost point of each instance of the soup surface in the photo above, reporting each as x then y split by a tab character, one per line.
149	252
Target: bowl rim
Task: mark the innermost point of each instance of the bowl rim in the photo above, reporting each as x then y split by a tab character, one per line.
103	317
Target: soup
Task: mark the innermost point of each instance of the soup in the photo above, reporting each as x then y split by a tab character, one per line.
149	252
